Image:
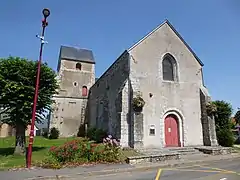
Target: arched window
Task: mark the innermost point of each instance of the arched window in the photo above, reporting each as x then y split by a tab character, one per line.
169	68
84	91
78	66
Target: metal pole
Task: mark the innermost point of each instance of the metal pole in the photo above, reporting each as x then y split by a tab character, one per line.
31	135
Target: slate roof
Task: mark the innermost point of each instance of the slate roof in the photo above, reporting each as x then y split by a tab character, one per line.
76	54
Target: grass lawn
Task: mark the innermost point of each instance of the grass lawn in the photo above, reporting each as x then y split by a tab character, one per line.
40	150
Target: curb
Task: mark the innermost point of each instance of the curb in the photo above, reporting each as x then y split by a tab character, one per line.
126	170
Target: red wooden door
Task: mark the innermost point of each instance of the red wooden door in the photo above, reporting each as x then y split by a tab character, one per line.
171	132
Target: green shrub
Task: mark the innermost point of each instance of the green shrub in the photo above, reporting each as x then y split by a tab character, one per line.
225	137
54	133
82	151
45	134
70	150
96	135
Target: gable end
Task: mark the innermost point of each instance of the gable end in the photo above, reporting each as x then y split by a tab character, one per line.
175	31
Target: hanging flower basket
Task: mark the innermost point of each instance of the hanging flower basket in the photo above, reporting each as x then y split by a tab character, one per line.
138	103
211	109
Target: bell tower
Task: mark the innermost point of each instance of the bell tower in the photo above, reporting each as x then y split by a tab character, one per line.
76	74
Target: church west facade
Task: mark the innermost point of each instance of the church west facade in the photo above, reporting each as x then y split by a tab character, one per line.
164	71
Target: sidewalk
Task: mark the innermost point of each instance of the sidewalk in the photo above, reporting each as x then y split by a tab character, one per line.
73	173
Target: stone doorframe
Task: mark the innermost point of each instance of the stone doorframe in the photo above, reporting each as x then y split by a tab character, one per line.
179	116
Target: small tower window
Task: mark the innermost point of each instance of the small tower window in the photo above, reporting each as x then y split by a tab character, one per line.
84	91
78	66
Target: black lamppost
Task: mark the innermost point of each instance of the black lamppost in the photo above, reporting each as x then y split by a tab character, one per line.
45	13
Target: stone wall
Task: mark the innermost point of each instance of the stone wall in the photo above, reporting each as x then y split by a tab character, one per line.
7	130
109	100
67	115
180	97
137	130
70	106
204	120
208	123
71	79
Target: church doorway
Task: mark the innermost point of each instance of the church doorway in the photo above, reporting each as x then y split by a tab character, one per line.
171	131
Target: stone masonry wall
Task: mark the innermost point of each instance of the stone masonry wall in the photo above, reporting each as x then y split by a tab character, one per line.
208	123
67	115
109	99
204	119
69	108
6	130
181	97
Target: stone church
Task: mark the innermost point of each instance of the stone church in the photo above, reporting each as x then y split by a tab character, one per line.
161	70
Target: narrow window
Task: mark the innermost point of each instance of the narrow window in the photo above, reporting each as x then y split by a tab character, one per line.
152	130
169	68
84	91
78	66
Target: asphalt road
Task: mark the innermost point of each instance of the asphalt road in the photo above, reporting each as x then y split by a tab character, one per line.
222	170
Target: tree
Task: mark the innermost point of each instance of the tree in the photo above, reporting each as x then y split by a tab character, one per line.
237	116
17	85
223	114
223	123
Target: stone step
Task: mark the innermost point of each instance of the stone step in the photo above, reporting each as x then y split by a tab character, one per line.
181	149
215	150
177	150
189	152
152	158
185	151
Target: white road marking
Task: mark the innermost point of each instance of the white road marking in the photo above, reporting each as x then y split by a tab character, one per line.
223	179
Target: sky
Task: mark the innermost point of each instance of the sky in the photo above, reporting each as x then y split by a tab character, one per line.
108	27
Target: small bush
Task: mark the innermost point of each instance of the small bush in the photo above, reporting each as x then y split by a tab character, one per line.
96	135
69	151
112	149
45	134
225	137
82	151
54	133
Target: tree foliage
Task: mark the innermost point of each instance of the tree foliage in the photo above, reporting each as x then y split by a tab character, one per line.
223	123
237	116
223	114
17	86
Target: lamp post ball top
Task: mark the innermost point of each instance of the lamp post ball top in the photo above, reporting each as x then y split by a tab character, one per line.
46	12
